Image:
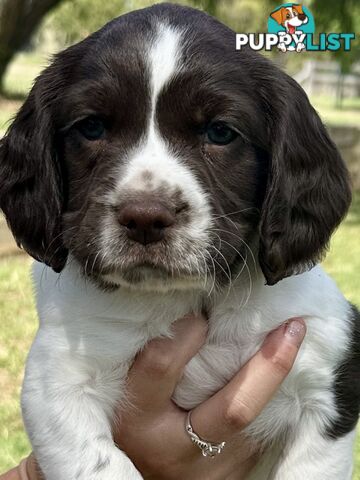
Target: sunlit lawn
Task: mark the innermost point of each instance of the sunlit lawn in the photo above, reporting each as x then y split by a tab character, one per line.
18	324
348	114
17	327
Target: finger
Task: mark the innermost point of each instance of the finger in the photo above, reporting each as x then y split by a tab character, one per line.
33	470
157	369
235	406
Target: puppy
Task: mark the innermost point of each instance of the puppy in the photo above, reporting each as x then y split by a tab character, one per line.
290	18
157	171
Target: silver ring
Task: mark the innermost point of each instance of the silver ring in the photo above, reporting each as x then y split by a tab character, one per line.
208	449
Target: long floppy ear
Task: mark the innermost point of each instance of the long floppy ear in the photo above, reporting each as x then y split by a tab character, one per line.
31	190
278	15
308	191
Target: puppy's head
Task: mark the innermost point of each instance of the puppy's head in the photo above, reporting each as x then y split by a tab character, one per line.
158	156
290	17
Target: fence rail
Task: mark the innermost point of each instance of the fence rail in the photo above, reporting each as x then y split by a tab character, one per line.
326	78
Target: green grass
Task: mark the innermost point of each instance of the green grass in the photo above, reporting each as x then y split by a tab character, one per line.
22	72
18	325
348	114
343	259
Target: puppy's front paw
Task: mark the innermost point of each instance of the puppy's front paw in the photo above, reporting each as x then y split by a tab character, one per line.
282	47
300	47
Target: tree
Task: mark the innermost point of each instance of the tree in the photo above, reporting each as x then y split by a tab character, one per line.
340	16
75	20
210	6
18	21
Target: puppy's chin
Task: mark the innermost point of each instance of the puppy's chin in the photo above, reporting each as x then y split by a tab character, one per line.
153	279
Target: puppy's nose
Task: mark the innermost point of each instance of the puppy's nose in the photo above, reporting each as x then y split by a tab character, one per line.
302	16
145	222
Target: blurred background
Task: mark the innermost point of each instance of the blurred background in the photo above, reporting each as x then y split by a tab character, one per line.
32	30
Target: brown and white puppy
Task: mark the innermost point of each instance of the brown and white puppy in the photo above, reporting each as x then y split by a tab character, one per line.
160	171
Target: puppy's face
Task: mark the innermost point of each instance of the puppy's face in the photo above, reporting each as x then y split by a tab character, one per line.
290	17
160	157
163	178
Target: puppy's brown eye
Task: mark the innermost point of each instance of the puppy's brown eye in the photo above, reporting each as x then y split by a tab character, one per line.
219	133
92	128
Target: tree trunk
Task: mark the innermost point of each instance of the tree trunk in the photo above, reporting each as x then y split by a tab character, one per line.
18	21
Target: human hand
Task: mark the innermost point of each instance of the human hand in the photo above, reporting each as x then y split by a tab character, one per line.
152	430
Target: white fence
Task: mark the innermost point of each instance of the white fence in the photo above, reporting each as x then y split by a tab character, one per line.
325	78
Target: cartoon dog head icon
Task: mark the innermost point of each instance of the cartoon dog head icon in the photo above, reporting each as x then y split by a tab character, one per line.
290	17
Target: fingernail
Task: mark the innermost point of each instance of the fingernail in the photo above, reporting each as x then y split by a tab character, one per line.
295	331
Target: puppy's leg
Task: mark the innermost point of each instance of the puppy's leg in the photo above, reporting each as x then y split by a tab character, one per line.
67	409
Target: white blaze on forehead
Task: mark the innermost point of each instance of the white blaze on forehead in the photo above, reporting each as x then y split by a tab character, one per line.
163	58
290	10
153	154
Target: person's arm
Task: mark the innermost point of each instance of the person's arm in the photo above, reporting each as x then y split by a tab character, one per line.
152	430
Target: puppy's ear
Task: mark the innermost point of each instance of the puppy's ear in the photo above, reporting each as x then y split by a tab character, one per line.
278	15
308	190
31	190
299	9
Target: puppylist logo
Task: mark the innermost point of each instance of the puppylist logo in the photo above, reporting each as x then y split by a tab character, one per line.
291	23
291	27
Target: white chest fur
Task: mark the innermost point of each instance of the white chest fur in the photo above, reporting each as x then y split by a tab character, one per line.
103	331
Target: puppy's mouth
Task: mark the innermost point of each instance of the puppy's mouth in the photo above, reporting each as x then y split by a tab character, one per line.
153	277
145	271
291	28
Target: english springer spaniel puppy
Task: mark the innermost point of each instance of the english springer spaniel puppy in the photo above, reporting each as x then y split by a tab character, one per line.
156	171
